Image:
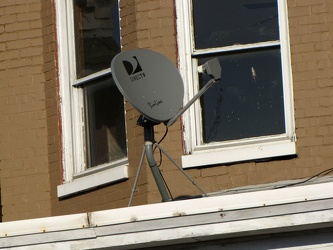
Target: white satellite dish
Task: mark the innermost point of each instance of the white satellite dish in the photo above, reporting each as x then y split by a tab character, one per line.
150	82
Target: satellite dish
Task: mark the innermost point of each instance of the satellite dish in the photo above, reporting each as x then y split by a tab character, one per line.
150	82
153	85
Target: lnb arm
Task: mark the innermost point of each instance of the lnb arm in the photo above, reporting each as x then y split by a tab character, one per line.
211	68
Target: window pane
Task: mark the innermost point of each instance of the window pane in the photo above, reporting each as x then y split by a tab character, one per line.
97	37
106	122
219	23
248	100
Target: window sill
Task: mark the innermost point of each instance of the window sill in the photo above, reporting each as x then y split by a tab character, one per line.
93	180
239	153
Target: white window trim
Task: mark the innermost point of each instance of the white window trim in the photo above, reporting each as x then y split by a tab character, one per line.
85	183
75	178
250	149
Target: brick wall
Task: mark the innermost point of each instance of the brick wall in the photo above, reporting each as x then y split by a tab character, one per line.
30	147
311	27
311	57
26	95
150	25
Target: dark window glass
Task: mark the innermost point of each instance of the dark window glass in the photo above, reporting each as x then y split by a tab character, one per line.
248	100
219	23
97	41
97	35
106	122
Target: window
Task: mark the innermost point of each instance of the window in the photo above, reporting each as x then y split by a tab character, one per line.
92	108
248	114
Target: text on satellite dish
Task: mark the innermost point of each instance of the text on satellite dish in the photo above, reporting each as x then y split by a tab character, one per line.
137	77
155	103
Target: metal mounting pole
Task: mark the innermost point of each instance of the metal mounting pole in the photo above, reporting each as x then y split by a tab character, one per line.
148	133
156	171
148	151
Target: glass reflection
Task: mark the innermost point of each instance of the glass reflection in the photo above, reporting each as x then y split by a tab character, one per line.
248	100
106	122
97	37
225	22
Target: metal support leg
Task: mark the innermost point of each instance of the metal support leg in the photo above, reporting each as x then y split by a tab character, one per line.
137	176
149	153
181	169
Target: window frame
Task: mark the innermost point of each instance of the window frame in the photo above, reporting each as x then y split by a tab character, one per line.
196	155
76	177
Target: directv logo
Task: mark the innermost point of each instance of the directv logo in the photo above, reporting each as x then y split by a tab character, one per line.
134	70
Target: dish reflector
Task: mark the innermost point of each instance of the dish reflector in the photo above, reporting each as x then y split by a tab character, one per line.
150	82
